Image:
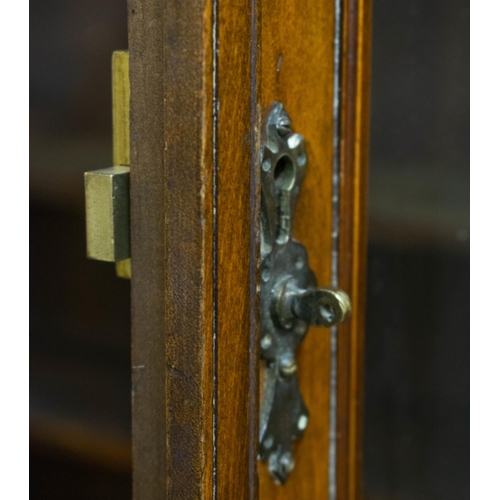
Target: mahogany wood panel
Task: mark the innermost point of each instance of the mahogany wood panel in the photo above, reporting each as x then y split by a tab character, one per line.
194	249
203	74
236	223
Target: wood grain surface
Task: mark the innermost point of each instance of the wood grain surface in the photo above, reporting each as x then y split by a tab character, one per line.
148	248
171	238
354	134
203	74
235	207
298	70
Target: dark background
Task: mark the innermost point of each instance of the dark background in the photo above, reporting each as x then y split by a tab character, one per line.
417	335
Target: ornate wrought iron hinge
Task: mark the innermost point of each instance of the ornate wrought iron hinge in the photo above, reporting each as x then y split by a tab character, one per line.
290	300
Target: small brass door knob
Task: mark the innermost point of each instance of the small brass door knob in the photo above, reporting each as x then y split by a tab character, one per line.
325	306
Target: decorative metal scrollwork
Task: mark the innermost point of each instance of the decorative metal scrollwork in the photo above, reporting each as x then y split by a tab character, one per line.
290	300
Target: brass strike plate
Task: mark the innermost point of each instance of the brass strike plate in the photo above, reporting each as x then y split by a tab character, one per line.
121	129
107	191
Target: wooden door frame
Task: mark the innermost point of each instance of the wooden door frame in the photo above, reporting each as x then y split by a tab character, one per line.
195	223
352	242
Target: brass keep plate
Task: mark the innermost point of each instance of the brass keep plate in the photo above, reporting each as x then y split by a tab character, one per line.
107	191
107	206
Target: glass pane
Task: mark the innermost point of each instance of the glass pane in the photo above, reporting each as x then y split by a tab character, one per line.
417	335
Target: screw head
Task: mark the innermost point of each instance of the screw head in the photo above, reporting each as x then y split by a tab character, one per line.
284	125
294	141
265	274
268	442
287	365
302	422
266	342
266	165
287	462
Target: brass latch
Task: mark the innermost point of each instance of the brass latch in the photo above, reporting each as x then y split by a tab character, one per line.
107	190
290	299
